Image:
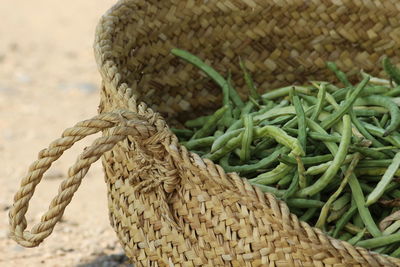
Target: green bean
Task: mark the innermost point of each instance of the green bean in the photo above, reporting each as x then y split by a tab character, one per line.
386	179
324	137
247	108
351	228
236	125
374	171
308	214
368	90
285	180
330	138
389	104
186	133
396	253
360	127
268	189
274	175
376	81
236	113
312	100
321	101
374	163
249	168
200	142
198	122
315	127
318	169
281	137
394	73
384	120
336	214
218	133
247	138
345	236
278	120
357	220
233	95
362	209
292	187
332	119
394	138
304	203
353	241
343	200
389	249
325	209
331	100
363	112
301	171
293	122
366	188
223	139
227	118
375	121
210	124
229	146
340	156
339	74
263	145
301	117
275	112
379	241
277	93
392	228
306	160
395	193
394	92
368	152
213	74
332	88
343	220
249	80
384	148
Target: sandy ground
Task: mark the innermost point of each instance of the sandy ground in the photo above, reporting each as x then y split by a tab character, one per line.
48	82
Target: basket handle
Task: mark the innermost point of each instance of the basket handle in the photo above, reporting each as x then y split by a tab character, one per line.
118	124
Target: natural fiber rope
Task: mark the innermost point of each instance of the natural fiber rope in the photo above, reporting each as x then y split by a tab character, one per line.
119	126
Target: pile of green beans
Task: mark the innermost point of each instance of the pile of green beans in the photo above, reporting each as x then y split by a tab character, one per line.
331	152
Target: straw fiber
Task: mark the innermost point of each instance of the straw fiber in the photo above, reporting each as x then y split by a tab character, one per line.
168	206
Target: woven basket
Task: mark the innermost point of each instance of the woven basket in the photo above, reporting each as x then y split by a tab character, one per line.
168	206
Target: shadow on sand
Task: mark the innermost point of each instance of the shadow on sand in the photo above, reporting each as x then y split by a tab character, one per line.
113	260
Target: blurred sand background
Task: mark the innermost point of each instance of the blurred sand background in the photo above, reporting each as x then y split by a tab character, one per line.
48	82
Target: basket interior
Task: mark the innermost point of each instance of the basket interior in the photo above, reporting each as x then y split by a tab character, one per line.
280	45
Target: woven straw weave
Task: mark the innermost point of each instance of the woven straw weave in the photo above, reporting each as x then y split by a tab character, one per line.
168	206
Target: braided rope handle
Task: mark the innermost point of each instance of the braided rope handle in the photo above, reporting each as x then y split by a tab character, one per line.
119	125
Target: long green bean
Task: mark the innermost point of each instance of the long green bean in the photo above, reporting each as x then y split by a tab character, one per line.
301	117
383	183
362	209
210	124
340	156
306	160
247	138
379	241
332	119
249	168
325	209
393	109
391	69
